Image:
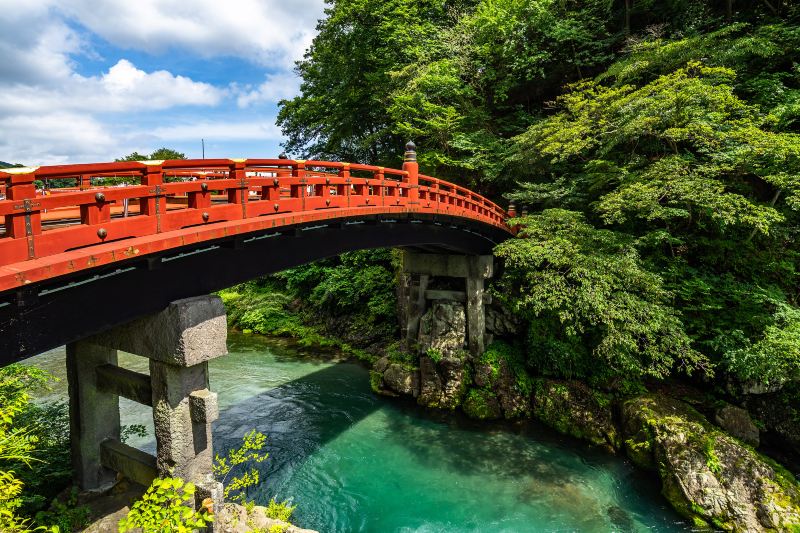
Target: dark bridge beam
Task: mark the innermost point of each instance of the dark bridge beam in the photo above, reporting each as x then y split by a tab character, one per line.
44	316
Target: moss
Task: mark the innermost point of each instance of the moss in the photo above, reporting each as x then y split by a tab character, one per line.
481	404
712	460
376	381
435	355
499	353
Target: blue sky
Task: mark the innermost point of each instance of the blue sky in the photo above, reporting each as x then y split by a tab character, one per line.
92	80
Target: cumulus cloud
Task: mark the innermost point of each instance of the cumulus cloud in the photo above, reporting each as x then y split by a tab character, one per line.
124	88
221	130
272	32
276	87
56	138
51	113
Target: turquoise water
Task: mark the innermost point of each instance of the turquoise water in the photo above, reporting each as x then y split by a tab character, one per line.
352	461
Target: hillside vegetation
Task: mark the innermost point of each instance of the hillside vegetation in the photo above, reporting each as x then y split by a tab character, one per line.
655	145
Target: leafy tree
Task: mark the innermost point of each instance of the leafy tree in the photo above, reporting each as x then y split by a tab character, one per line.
589	299
671	127
160	154
17	443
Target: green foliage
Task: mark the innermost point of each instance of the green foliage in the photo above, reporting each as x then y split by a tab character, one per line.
46	477
248	453
132	430
774	359
67	515
590	283
280	511
670	129
157	155
435	355
712	460
357	282
261	306
17	441
166	507
502	353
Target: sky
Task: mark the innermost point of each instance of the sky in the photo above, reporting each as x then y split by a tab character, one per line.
92	80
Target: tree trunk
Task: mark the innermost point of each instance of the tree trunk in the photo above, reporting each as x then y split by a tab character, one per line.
628	6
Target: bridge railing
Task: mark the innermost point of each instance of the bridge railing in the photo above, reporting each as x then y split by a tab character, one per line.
107	202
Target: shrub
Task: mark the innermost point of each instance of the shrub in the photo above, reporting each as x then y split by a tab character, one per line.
166	507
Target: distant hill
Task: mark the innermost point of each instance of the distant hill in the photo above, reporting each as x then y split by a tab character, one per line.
3	164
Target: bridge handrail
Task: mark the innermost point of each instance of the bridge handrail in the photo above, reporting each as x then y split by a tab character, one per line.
177	195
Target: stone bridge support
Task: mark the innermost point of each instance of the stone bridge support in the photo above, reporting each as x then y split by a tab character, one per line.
179	342
417	273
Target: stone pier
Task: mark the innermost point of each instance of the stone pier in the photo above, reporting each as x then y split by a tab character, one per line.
179	341
414	293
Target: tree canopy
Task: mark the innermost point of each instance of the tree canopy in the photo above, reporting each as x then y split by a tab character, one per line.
656	145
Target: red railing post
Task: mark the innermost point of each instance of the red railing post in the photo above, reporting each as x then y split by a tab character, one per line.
155	205
410	165
26	222
344	173
299	171
380	176
240	191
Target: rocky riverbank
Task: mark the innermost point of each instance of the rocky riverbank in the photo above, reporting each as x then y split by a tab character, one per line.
708	467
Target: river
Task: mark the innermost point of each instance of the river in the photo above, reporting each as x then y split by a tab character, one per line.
353	461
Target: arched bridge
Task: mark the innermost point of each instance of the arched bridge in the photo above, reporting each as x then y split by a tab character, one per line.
87	247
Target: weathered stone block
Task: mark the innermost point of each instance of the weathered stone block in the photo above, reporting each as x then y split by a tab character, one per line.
134	464
443	329
449	265
183	447
188	332
93	413
203	406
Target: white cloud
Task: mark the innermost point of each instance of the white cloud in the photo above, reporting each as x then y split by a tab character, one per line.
271	32
34	45
56	138
50	113
276	87
221	130
124	88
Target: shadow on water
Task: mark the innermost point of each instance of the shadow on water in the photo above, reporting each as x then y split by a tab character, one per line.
302	416
551	470
299	416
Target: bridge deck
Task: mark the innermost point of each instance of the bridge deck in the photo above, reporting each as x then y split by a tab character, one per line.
168	204
86	256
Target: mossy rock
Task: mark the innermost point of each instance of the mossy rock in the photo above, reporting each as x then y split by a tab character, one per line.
482	405
573	408
708	476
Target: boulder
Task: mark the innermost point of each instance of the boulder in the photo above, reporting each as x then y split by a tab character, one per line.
443	384
501	322
513	394
381	364
780	414
738	423
573	408
708	476
402	379
235	518
443	329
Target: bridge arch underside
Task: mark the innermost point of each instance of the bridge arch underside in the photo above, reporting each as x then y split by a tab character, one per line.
46	315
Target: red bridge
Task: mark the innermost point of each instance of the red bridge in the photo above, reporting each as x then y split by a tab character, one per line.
87	247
